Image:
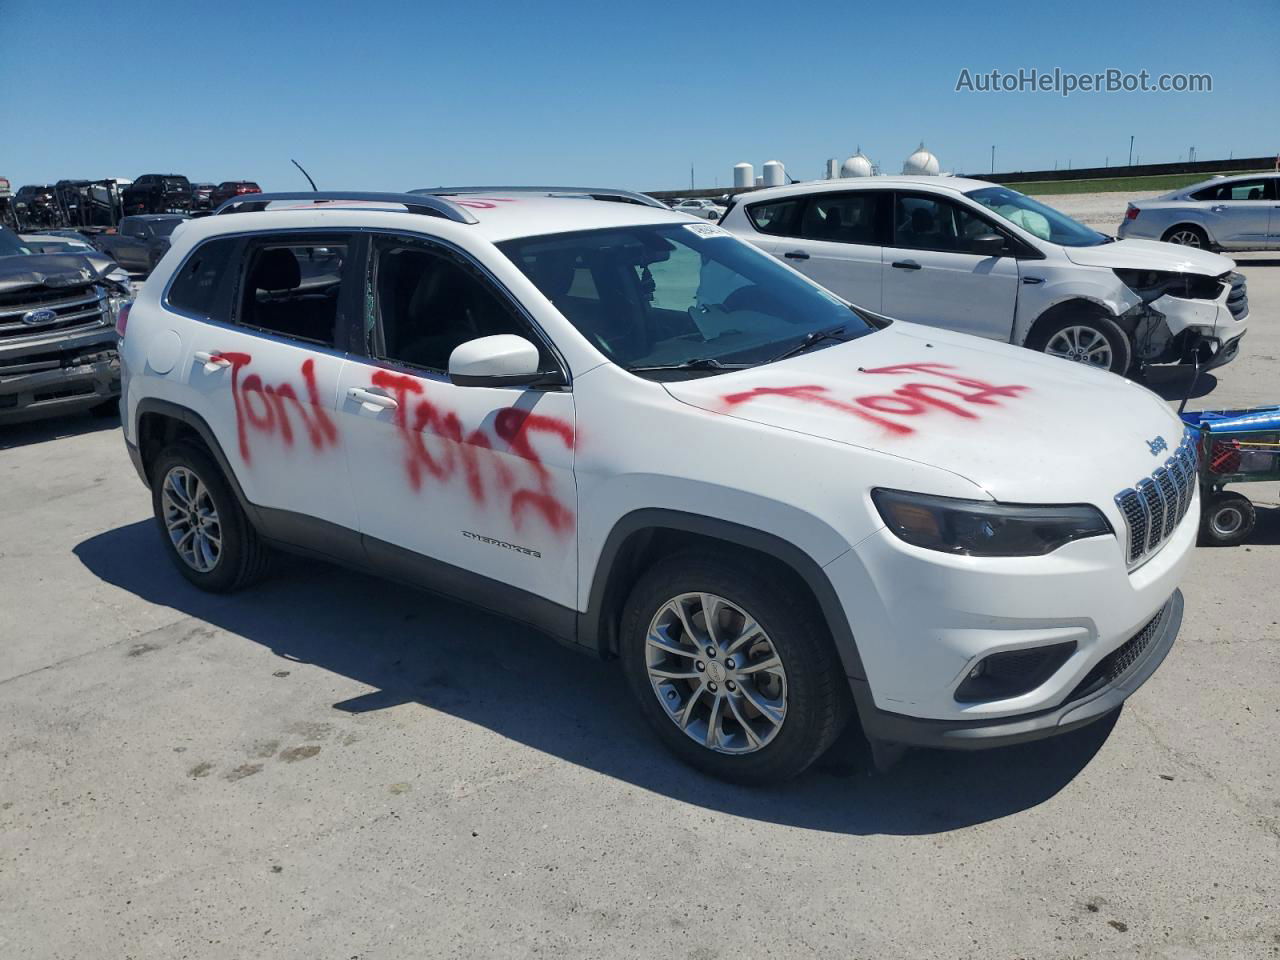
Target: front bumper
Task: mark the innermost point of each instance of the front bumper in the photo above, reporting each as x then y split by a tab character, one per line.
58	375
1123	672
921	621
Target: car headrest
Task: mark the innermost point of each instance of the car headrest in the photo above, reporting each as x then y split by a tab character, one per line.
921	220
277	269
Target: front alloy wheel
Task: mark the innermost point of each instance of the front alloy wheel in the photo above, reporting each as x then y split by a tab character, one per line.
1082	344
733	666
1186	237
716	673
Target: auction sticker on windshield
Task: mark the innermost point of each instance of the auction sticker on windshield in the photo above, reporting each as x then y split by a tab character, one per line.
706	230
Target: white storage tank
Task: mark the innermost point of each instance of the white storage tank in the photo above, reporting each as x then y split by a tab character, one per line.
833	168
856	166
774	175
922	163
744	175
759	181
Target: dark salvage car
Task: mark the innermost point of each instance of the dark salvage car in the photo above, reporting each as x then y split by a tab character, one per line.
57	331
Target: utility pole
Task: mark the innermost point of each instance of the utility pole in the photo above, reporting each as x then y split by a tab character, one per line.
691	187
993	158
1131	150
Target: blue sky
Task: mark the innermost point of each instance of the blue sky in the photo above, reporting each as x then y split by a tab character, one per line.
371	94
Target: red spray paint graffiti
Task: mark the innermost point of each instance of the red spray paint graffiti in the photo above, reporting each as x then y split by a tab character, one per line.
436	445
418	419
913	399
265	407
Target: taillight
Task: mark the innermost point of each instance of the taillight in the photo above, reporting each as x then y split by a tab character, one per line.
1132	213
122	317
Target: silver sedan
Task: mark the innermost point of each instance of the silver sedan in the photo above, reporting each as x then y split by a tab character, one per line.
1225	213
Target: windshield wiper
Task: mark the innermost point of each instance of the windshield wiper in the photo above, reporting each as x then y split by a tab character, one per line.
697	363
812	338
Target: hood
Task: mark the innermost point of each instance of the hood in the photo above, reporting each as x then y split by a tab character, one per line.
1150	255
54	270
1024	427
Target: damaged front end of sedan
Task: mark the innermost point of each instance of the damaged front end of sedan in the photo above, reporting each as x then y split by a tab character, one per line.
57	334
1186	317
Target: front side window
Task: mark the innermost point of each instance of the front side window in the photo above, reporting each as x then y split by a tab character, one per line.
1036	218
10	246
781	218
428	301
669	294
843	217
196	285
932	223
292	288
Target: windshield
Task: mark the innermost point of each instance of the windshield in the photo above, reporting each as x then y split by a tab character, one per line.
163	228
674	293
1037	219
10	245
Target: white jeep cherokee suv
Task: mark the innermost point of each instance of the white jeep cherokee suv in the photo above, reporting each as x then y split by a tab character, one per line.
980	258
649	439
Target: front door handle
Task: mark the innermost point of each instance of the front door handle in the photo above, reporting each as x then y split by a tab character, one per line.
796	255
361	395
906	265
212	359
1219	208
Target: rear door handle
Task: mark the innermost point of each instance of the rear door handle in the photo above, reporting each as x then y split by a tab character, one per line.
212	359
796	255
906	265
361	395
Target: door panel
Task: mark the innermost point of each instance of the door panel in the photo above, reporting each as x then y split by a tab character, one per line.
267	384
477	477
929	277
480	478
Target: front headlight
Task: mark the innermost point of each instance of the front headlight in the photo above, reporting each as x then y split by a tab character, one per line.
984	528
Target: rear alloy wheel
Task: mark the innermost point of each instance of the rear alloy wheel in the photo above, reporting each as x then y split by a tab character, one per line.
206	532
1093	340
735	673
1188	236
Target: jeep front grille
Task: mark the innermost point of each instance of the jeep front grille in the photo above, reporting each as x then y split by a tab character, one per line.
73	309
1155	505
1238	298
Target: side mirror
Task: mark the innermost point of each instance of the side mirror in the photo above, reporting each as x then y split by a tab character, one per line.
989	245
504	360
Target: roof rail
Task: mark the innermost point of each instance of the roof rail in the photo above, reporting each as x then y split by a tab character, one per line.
428	206
595	193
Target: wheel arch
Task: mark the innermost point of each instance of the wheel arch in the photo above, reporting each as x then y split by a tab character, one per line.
644	536
161	423
1076	302
1194	224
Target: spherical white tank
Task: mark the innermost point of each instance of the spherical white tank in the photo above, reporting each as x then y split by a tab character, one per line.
856	166
744	175
922	163
774	175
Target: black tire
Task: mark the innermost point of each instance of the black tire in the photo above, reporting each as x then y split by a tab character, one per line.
818	702
1227	520
1183	235
244	558
1045	332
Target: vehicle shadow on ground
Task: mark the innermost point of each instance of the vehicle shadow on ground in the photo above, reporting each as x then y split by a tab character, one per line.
55	428
1176	382
412	647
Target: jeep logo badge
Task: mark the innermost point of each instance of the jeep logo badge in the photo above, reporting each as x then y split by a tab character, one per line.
34	318
1157	445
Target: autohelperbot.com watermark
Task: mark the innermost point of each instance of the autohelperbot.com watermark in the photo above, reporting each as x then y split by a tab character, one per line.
1065	83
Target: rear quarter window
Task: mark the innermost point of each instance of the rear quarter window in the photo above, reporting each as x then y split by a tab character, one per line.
197	283
780	218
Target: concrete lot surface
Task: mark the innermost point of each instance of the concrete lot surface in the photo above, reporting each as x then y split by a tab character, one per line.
329	766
